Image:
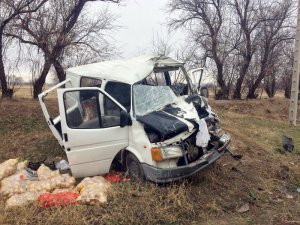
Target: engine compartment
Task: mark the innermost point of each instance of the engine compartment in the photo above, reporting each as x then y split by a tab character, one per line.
173	119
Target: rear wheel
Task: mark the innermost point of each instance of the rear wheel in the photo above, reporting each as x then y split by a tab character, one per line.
134	168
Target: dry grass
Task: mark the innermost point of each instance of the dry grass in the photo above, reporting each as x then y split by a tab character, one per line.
211	197
25	91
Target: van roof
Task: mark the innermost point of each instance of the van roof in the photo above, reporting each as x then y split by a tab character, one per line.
127	71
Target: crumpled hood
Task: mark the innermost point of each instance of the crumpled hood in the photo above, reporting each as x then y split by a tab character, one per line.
163	124
172	119
182	109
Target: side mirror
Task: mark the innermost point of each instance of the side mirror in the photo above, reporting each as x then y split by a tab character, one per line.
204	92
125	119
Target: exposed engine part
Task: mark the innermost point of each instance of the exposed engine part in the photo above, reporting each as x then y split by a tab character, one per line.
190	151
193	152
233	155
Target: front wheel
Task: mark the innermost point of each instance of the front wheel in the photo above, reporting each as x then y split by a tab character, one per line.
134	168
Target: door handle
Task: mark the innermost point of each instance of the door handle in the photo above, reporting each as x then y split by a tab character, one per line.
66	137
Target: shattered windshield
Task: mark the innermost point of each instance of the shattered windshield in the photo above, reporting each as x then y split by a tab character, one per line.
150	98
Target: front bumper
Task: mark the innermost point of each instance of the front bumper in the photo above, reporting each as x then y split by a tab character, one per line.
159	175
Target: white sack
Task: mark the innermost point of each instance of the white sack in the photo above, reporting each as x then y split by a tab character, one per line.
203	136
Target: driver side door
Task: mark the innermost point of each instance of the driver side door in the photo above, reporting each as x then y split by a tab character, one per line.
92	133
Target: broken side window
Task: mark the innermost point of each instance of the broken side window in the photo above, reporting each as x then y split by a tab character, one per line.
156	79
168	76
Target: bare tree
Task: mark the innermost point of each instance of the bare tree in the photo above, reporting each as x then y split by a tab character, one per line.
246	12
286	76
13	81
161	44
279	69
273	30
9	10
210	28
241	37
272	74
56	28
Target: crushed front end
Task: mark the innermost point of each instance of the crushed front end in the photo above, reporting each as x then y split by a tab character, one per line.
187	134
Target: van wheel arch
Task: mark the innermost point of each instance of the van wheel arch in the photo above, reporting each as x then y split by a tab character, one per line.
120	159
134	167
125	152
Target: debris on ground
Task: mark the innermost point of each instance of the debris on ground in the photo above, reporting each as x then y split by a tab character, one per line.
44	173
13	187
22	165
22	199
283	173
93	190
289	196
62	190
58	199
287	144
20	185
244	208
235	169
20	174
62	165
234	155
115	177
36	165
252	195
8	168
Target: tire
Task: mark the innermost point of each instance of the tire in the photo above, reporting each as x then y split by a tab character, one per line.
134	168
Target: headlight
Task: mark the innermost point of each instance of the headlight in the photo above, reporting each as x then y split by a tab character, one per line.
170	152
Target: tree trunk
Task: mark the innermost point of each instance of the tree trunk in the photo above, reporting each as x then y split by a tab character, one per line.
262	73
252	90
4	89
246	27
273	87
268	88
224	92
39	83
238	87
60	72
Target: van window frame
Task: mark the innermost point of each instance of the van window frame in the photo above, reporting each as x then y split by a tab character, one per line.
98	112
92	78
130	93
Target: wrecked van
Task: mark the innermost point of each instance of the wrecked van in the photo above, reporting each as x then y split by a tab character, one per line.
144	114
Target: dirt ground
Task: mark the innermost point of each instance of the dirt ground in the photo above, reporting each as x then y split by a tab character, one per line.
265	179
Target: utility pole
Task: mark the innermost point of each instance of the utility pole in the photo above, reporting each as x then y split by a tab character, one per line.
295	78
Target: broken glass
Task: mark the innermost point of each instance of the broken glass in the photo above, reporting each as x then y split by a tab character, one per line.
150	98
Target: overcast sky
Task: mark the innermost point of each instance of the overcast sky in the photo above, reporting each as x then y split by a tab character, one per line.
139	21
